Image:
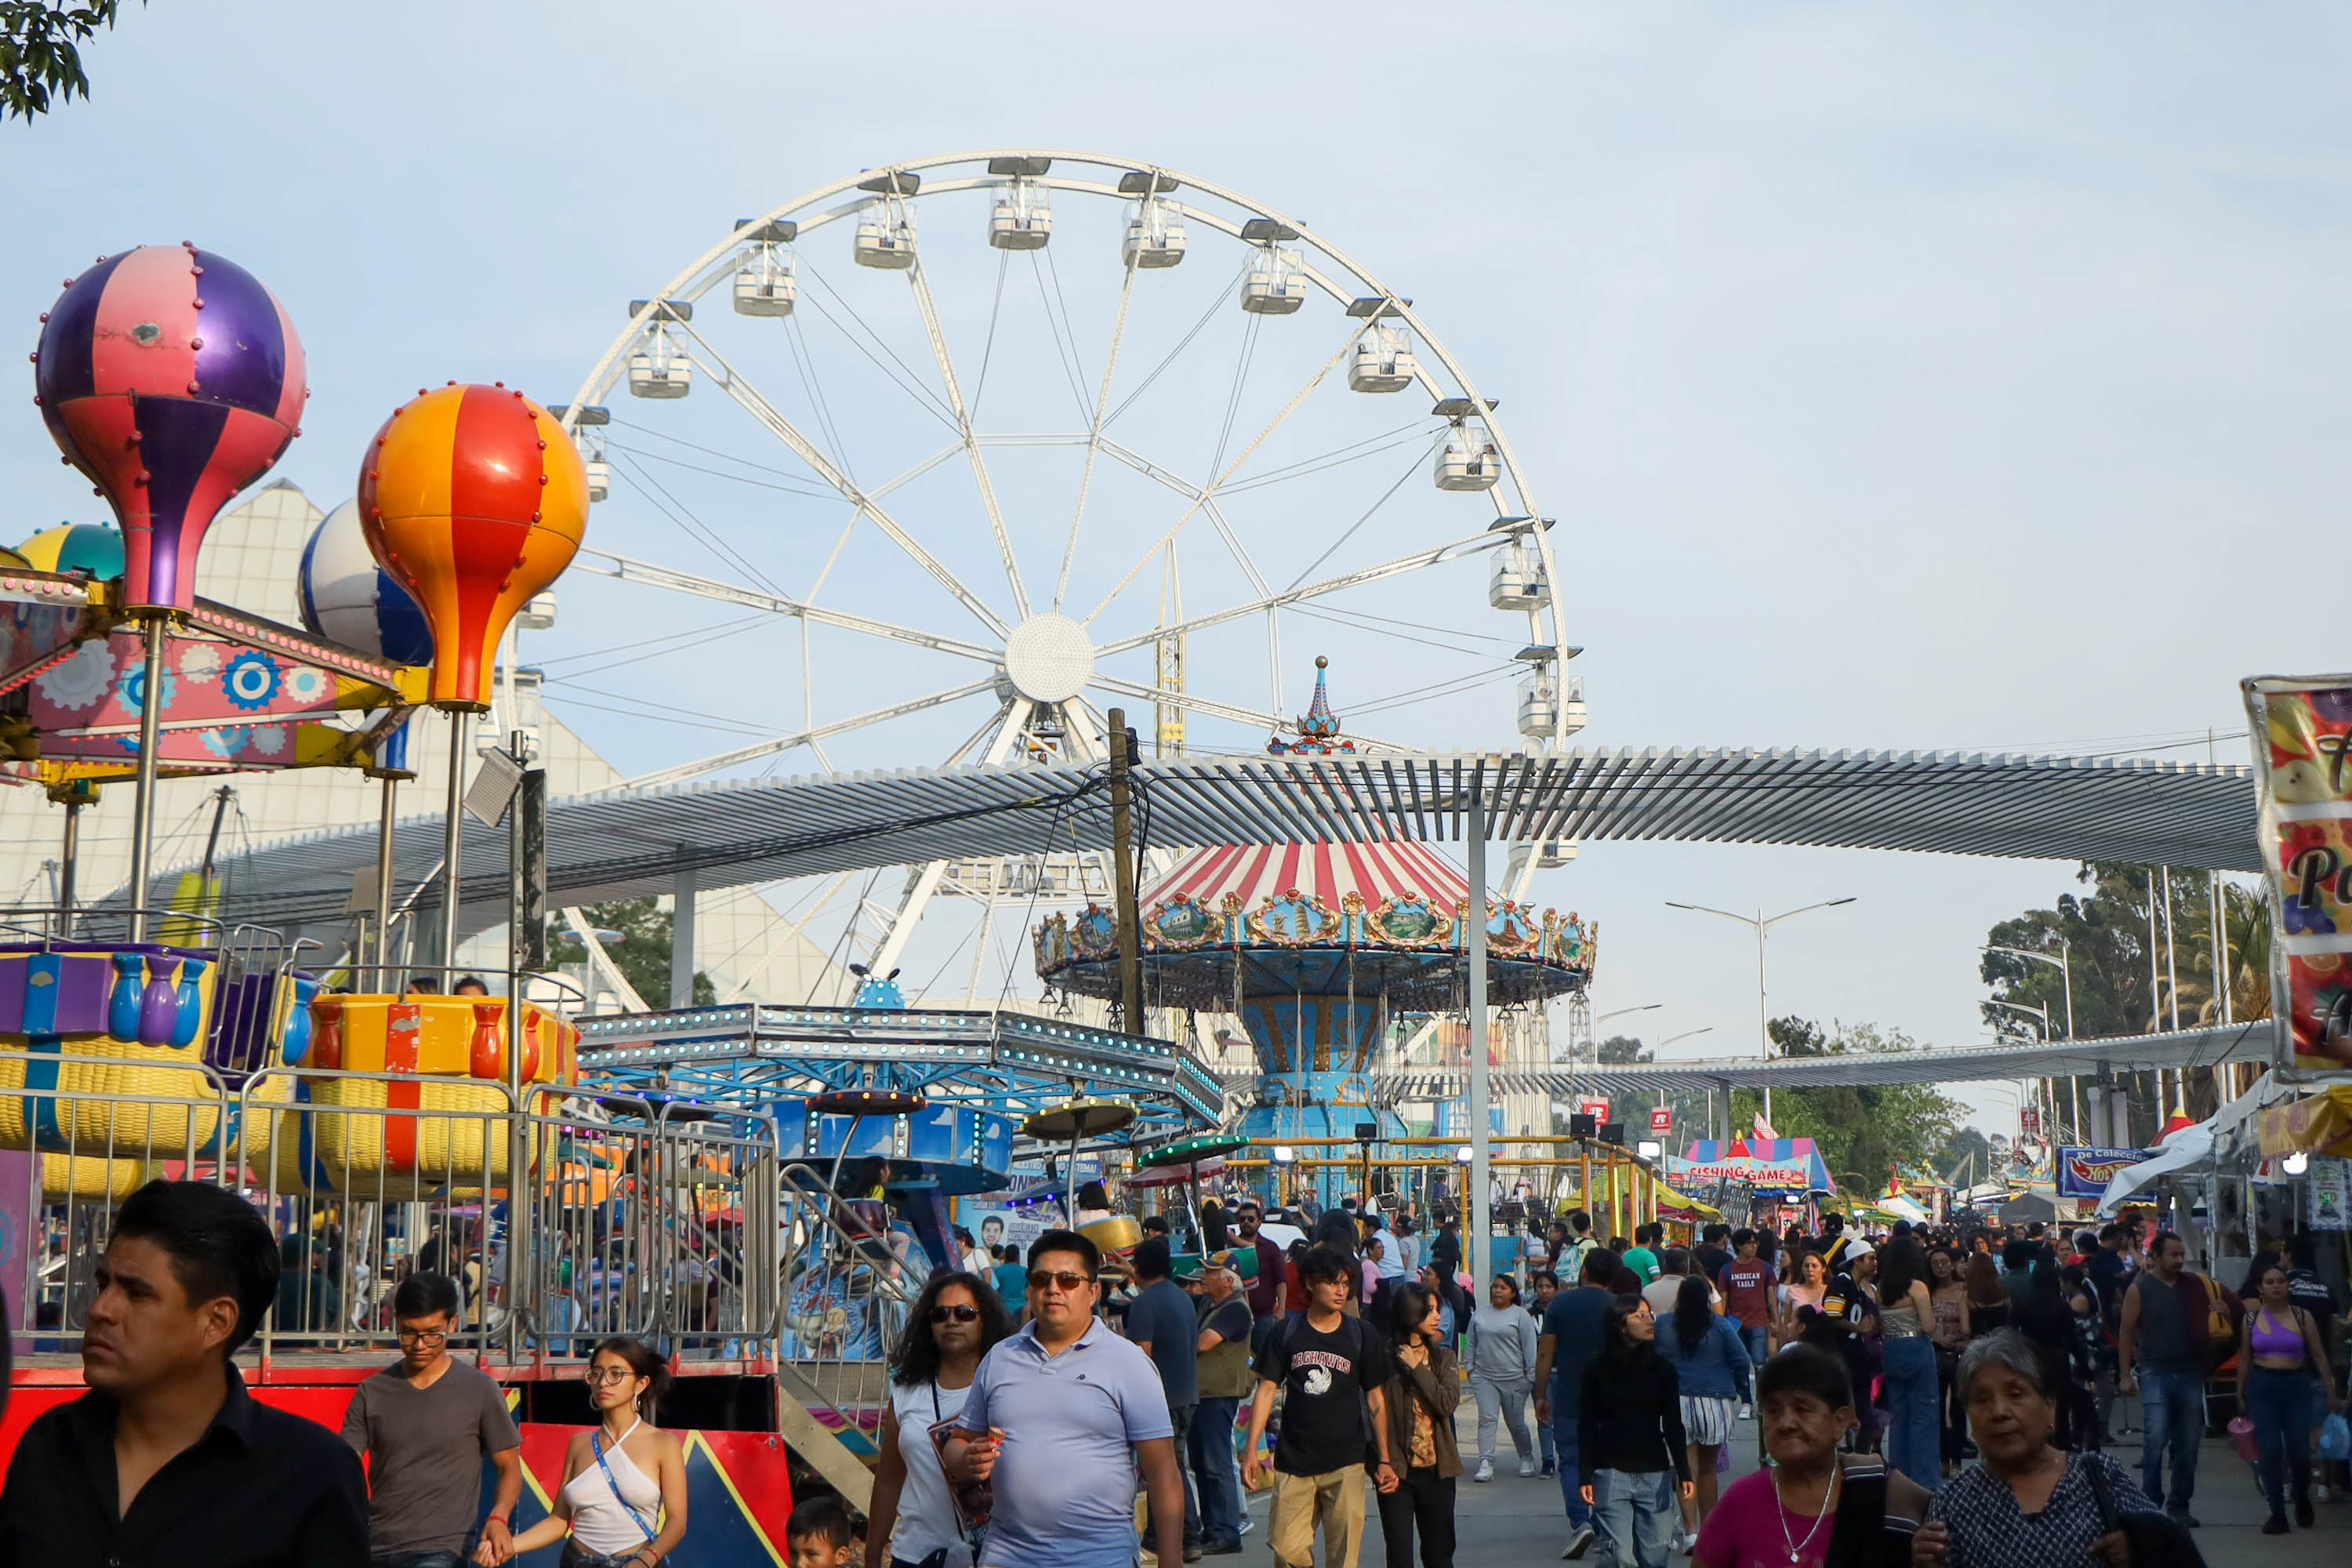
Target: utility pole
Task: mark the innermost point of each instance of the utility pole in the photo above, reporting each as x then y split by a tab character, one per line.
1121	742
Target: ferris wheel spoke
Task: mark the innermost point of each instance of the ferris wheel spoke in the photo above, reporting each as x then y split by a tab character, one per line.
605	563
924	880
1212	709
809	737
1094	434
1415	562
1346	346
920	284
733	383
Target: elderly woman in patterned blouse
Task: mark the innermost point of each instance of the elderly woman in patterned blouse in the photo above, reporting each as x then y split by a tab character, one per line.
2025	1504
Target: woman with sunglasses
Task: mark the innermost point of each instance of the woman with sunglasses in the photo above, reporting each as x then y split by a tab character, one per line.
623	1501
913	1522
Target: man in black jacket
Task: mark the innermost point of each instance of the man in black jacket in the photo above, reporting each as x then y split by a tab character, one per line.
167	1460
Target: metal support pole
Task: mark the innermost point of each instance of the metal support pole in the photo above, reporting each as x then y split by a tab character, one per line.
1481	1244
452	835
1763	1014
143	803
523	1227
681	934
383	891
1122	854
69	851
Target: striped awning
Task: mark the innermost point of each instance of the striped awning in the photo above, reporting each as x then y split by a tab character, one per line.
1328	871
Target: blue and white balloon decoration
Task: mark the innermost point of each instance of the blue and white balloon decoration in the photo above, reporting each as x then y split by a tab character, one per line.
347	598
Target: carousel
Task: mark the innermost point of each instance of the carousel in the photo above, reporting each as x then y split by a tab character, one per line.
1321	951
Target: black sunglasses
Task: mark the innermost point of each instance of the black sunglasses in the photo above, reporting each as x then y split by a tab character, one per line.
1039	1279
962	1312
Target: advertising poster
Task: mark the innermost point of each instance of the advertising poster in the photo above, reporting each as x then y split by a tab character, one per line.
2330	1184
2302	729
2086	1172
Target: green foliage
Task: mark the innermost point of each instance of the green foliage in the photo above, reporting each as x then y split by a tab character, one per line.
2105	933
1863	1131
39	57
1621	1050
641	952
1966	1149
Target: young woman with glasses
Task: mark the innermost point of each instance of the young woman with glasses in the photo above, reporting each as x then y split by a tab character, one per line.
914	1525
623	1501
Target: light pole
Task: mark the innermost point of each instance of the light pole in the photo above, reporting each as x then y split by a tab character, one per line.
1761	925
1644	1007
2065	963
1659	1054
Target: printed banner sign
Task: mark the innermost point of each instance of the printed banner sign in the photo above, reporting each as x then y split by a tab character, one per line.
2085	1173
2302	741
1780	1164
2330	1185
1595	1107
1661	1119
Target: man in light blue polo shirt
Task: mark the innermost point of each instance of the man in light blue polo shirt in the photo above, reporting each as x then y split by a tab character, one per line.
1058	1418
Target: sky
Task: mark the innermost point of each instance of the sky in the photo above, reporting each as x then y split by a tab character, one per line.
1899	378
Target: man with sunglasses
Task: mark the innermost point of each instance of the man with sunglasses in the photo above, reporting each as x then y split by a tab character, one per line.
424	1424
1059	1418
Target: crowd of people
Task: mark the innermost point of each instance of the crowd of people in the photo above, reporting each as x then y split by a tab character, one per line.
1928	1395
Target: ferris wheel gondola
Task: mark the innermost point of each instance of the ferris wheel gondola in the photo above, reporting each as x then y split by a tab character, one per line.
1003	470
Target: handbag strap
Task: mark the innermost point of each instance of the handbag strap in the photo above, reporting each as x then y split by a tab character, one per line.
596	1444
2101	1495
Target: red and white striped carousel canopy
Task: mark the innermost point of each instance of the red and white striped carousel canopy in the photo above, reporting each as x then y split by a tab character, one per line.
1328	872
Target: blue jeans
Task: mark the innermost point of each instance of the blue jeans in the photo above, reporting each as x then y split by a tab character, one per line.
1759	1340
1180	1416
1914	1435
1638	1513
2278	1401
417	1560
2173	1406
1208	1446
1563	1443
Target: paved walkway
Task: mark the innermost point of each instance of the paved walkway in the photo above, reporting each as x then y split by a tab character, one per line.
1513	1523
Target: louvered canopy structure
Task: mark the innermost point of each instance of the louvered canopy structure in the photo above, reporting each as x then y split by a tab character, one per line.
627	842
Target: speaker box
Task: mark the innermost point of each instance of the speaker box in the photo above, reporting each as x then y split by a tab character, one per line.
1613	1132
1579	1125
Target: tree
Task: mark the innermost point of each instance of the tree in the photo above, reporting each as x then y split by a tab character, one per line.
1622	1050
642	950
2123	983
40	57
1863	1131
1966	1150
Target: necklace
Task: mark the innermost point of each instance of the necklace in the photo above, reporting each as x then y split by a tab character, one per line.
1829	1506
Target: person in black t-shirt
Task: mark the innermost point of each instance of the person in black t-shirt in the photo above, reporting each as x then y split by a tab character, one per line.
1711	1254
1329	1368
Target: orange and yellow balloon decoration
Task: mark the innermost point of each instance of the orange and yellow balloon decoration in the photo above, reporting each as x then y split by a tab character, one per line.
474	498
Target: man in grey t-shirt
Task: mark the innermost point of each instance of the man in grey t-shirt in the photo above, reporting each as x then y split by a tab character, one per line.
425	1424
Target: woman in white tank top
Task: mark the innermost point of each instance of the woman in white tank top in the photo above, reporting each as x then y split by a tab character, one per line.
622	1502
913	1520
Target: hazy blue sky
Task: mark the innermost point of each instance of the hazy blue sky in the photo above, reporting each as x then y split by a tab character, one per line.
1900	377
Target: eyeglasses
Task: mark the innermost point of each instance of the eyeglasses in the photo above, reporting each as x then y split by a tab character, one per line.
961	1313
424	1336
1039	1279
610	1374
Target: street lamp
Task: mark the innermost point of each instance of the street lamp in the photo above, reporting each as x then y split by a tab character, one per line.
2066	965
1761	925
1644	1007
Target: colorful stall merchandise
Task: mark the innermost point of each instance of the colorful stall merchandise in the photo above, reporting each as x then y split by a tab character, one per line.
443	1053
2317	1123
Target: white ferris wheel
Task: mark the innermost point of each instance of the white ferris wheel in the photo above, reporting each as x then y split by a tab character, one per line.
937	463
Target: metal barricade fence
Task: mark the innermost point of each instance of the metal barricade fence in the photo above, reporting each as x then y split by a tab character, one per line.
849	1286
659	1228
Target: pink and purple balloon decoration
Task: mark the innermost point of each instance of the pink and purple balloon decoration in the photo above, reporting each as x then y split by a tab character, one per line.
173	379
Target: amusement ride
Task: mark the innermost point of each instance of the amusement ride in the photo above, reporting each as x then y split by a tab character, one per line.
756	1182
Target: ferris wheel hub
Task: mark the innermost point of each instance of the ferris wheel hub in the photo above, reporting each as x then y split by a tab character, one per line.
1049	658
